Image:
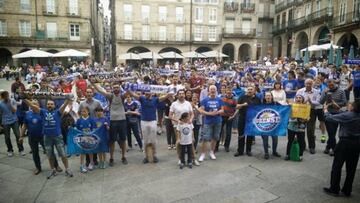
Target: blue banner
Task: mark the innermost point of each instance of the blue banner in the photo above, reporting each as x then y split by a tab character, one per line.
87	143
269	120
352	61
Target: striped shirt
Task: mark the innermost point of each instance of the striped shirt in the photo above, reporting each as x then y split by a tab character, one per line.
229	106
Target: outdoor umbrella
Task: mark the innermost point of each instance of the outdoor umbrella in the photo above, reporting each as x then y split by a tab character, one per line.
192	54
328	46
171	55
34	53
71	53
150	55
306	57
338	58
311	48
331	55
351	53
297	55
214	54
130	56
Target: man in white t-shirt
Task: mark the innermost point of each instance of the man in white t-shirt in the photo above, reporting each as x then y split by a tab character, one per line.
177	108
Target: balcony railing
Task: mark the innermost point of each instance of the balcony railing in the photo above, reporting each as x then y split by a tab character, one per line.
247	7
156	37
347	19
50	12
72	12
231	7
239	32
322	14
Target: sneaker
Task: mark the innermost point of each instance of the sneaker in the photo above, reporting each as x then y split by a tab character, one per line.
37	171
104	166
90	167
202	157
156	160
323	138
331	153
312	151
276	154
181	166
145	161
266	156
326	151
300	158
179	162
287	158
212	155
196	163
83	169
22	153
331	192
124	161
69	173
111	162
238	154
51	174
190	165
249	153
169	147
58	169
10	154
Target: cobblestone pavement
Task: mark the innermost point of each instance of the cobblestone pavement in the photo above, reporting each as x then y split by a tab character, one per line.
227	179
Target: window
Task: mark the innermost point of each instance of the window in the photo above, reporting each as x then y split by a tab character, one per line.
330	8
145	13
212	15
145	32
162	33
25	5
50	6
127	12
25	28
179	33
342	11
199	13
73	7
162	13
307	10
3	28
318	7
229	26
51	29
74	32
128	31
212	34
246	26
198	33
2	3
179	14
213	1
259	29
356	13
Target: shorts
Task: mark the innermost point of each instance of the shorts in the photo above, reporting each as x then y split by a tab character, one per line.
319	113
149	131
211	132
118	131
54	141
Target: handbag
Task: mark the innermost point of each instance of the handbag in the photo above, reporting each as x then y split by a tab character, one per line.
295	150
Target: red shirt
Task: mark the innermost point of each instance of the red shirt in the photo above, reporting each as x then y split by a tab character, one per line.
67	88
82	85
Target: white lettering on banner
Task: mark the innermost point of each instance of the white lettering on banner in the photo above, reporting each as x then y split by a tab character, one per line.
148	88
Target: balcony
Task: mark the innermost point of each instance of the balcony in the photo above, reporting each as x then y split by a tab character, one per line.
71	12
50	11
322	15
286	4
247	8
231	7
347	20
265	15
277	29
239	33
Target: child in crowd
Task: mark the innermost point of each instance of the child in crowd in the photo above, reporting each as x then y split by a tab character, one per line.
86	125
102	121
186	139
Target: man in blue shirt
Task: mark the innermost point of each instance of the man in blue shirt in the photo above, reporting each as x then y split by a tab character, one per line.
290	85
33	124
51	118
148	121
10	121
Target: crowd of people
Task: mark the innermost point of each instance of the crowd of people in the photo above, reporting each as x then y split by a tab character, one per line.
209	103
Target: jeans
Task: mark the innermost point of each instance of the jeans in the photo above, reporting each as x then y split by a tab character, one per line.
170	132
212	131
346	151
15	127
186	149
266	143
356	92
134	127
331	128
301	139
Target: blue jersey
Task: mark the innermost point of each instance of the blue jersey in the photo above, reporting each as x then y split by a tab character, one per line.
356	78
51	121
33	123
99	122
85	125
290	85
148	108
212	104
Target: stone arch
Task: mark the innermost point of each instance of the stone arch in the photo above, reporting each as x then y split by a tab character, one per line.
322	35
245	52
138	49
203	49
5	57
302	40
347	40
167	49
229	49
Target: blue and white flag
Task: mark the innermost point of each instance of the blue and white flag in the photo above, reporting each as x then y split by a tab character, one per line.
158	89
87	143
352	61
269	120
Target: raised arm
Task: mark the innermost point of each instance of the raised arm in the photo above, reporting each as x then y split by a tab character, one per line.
134	95
35	108
62	108
101	90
